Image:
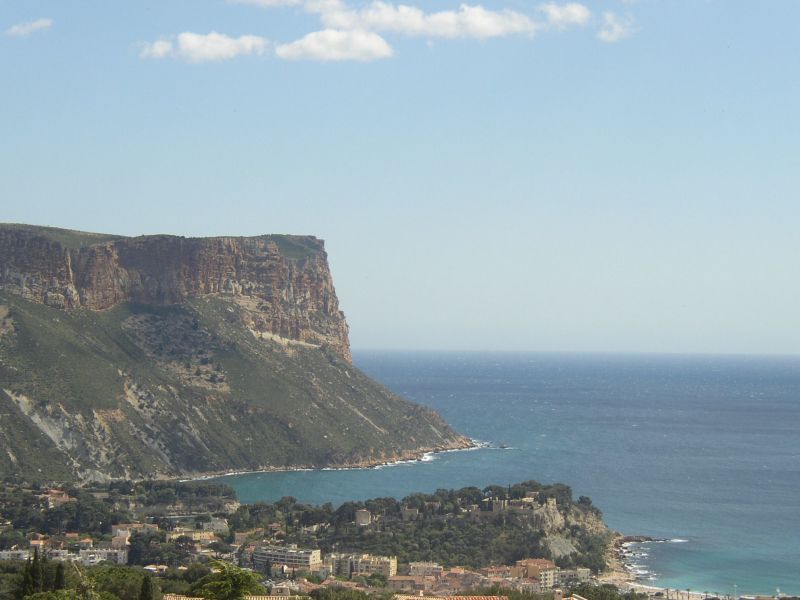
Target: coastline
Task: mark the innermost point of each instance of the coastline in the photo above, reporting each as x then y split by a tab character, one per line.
617	572
411	457
622	572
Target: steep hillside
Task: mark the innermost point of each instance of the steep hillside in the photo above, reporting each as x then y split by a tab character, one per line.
161	355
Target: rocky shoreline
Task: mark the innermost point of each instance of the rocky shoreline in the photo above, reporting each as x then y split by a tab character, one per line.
420	455
623	572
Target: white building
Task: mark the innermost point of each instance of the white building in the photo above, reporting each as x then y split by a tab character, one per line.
95	556
355	565
425	568
15	554
291	556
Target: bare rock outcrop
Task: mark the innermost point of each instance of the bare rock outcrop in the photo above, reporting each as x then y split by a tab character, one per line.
283	282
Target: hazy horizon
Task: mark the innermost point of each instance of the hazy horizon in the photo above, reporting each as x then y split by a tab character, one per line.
597	176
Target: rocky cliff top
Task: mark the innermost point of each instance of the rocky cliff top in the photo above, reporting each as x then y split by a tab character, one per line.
283	281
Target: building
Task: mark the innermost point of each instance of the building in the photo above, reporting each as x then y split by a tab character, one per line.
55	498
156	569
216	526
196	535
355	565
131	528
119	541
367	565
409	514
541	569
97	555
578	575
493	505
459	578
15	554
496	571
363	517
290	556
529	502
411	583
527	585
281	590
425	568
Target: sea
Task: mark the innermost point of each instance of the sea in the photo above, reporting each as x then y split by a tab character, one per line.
700	452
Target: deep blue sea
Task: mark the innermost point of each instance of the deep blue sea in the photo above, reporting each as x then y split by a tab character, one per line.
698	448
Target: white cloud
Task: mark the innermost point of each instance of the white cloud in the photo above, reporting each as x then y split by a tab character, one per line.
615	28
561	16
265	3
26	29
467	21
159	49
198	47
333	44
353	33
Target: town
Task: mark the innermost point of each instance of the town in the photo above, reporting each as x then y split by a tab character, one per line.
522	542
167	528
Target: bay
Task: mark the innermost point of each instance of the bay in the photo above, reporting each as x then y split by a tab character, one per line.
701	450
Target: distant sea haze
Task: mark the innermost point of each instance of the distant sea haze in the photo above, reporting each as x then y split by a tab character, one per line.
704	449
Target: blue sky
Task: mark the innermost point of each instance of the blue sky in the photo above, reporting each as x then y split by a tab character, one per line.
509	175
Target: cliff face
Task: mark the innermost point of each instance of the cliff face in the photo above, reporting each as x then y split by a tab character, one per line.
283	281
164	356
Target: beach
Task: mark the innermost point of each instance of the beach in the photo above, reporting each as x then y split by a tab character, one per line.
626	573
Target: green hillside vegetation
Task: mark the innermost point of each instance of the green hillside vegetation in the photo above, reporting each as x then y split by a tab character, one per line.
446	532
138	390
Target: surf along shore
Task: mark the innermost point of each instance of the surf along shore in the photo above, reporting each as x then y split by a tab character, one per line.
422	455
625	573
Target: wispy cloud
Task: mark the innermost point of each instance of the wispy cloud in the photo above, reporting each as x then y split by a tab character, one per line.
210	47
561	16
336	45
467	21
354	33
158	49
615	28
29	27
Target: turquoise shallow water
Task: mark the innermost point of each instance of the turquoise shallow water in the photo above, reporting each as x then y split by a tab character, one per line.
697	448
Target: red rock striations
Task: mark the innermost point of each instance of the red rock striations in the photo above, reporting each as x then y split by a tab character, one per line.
283	283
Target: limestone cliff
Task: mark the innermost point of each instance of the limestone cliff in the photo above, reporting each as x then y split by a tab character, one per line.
164	356
283	281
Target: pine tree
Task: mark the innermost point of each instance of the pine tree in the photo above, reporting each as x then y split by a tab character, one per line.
47	574
60	582
37	573
26	583
148	590
227	582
